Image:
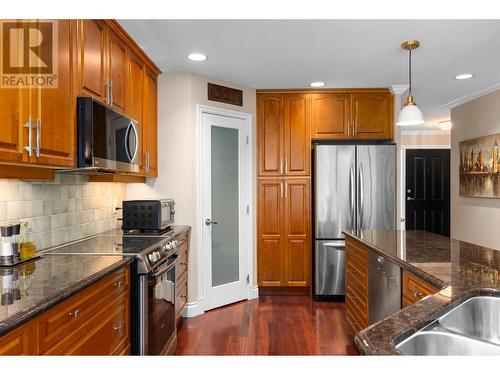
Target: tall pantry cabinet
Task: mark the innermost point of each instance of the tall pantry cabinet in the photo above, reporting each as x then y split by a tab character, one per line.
284	148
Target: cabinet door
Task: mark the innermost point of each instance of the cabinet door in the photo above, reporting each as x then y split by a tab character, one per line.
92	58
54	108
150	139
372	115
270	134
20	341
297	134
136	102
14	112
270	251
330	116
297	232
117	70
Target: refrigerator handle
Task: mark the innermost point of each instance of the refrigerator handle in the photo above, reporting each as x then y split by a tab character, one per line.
352	194
360	192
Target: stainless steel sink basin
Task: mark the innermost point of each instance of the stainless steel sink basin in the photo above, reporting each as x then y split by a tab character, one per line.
471	328
478	317
445	343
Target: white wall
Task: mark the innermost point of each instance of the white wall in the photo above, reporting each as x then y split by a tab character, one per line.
178	95
474	219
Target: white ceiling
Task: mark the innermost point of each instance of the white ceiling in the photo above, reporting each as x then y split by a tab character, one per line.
344	53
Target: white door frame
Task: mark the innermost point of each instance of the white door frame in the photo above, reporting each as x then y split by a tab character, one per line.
198	307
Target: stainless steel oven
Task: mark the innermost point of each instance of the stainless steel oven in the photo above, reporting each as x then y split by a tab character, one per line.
156	310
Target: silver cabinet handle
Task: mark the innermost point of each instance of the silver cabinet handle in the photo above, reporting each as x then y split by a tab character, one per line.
286	190
348	128
281	189
74	314
29	148
209	222
118	284
107	92
286	166
111	93
38	137
281	166
147	161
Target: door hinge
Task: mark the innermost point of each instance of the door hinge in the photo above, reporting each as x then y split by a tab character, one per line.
248	209
248	279
247	139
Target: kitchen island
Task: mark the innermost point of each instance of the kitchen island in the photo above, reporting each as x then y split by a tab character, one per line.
455	270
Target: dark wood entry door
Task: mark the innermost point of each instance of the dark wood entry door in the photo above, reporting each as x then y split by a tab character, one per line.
428	190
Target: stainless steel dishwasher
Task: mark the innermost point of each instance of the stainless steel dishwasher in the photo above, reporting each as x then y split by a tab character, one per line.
384	287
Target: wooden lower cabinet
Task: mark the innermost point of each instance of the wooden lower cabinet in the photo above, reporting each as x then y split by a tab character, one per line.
414	288
181	297
356	285
284	233
95	321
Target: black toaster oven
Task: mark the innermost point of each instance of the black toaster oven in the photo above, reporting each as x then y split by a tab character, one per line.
148	215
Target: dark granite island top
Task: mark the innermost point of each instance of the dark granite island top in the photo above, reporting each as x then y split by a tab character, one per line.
44	282
459	269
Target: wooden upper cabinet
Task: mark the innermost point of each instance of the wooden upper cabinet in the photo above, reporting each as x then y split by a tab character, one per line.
92	58
371	115
117	70
136	101
14	112
330	116
53	109
297	134
270	254
150	124
270	134
297	232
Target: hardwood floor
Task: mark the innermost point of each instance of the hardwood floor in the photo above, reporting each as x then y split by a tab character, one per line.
270	325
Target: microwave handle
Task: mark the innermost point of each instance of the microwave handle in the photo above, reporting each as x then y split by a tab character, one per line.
131	156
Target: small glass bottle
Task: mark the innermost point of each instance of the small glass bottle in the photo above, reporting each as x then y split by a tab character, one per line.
27	242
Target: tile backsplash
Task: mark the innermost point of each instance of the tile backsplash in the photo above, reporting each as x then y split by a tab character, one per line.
65	210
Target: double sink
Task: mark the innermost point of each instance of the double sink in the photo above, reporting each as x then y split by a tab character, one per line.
471	328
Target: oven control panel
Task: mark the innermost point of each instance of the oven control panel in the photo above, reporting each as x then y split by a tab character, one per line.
156	256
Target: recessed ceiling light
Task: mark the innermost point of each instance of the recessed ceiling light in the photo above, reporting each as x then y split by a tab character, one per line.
464	76
195	56
445	125
317	84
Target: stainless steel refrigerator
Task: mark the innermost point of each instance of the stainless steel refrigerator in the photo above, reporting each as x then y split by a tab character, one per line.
354	188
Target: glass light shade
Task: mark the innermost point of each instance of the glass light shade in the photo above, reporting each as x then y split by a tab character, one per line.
410	115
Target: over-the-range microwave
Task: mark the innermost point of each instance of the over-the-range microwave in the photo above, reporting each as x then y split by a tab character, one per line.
107	140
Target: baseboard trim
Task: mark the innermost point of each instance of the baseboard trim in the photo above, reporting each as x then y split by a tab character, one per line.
194	308
253	292
285	291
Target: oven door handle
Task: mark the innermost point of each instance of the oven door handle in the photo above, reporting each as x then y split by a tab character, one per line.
166	268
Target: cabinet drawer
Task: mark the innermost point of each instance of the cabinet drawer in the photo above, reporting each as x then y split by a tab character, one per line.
65	318
357	250
356	273
106	333
356	323
357	296
181	296
19	342
414	288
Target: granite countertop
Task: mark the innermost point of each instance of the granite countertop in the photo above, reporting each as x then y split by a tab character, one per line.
43	282
459	269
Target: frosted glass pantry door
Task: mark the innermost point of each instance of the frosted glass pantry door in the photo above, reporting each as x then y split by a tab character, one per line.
226	187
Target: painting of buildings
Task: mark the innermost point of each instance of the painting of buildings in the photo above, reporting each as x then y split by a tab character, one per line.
480	167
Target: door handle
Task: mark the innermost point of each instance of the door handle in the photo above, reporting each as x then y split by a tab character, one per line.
29	148
209	222
38	137
410	199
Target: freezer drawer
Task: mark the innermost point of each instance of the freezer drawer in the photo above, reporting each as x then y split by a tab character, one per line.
329	268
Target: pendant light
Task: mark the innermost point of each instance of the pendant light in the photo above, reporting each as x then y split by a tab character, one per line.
410	114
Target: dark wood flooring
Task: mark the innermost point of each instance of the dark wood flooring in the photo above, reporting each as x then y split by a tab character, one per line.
276	325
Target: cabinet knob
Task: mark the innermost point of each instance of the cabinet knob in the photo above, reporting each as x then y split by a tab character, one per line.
118	328
118	284
417	293
74	314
